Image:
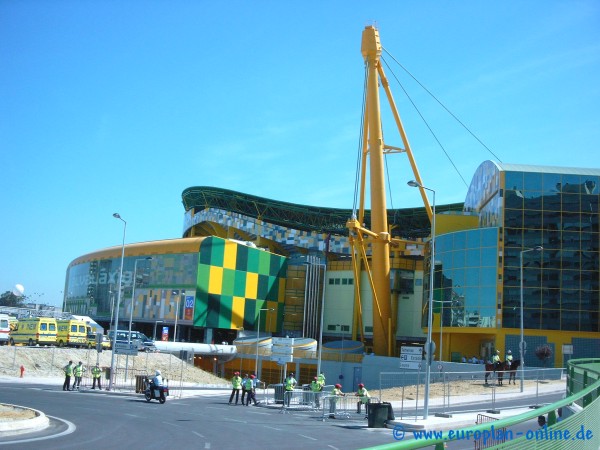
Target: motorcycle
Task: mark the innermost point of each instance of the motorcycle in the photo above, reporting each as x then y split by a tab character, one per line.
152	392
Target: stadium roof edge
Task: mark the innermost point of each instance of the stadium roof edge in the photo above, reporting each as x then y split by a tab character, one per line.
407	222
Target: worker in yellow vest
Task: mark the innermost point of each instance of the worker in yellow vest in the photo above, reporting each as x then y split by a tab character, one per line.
96	374
289	385
68	369
363	398
236	384
78	372
316	389
321	380
250	386
335	393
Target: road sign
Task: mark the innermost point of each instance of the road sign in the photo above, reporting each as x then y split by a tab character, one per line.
126	348
409	350
407	358
412	365
282	350
411	357
281	360
567	349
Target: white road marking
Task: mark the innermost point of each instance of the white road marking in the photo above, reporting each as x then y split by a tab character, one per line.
308	437
272	428
198	434
71	427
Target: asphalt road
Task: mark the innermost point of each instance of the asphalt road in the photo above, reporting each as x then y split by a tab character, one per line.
106	421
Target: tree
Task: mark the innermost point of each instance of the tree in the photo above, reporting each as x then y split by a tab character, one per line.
10	299
544	353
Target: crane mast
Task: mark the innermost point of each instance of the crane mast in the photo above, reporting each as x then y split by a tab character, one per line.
378	239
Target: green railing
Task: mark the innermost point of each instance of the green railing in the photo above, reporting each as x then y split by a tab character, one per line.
578	431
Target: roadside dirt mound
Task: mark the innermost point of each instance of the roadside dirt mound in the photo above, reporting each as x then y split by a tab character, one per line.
49	362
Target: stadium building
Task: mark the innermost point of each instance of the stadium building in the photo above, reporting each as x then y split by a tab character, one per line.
524	235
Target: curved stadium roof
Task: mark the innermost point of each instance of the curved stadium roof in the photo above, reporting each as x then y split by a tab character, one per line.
408	223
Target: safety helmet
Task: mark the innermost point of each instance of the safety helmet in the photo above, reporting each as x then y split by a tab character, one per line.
291	374
252	376
339	386
157	372
236	373
360	385
509	352
497	351
315	378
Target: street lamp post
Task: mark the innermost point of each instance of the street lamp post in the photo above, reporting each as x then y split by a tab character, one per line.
441	323
179	294
258	337
116	325
319	351
429	344
131	308
522	342
321	325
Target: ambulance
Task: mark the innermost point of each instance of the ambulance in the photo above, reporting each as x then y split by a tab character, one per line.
4	329
34	331
71	333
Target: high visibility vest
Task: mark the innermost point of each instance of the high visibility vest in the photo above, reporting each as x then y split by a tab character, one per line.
315	386
509	358
363	394
78	370
236	382
290	383
96	371
68	370
249	385
321	379
496	359
336	391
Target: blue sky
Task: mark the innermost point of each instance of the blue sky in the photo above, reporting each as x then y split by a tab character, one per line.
118	106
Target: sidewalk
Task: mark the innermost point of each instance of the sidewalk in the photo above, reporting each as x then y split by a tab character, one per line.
482	404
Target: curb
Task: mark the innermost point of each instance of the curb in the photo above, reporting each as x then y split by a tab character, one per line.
13	427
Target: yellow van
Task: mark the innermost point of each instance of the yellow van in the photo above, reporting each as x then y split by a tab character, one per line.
71	333
34	331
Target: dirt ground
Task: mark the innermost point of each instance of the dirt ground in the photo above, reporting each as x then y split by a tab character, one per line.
457	389
9	412
49	362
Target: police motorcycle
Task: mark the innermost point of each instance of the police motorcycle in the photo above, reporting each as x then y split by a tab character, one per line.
152	392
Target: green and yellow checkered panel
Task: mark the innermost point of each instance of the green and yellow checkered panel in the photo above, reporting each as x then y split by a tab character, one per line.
235	282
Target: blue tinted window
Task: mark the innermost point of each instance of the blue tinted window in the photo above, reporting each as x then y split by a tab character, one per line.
474	239
513	180
532	182
551	183
473	258
488	276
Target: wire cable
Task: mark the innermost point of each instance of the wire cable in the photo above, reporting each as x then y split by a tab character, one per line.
426	124
442	105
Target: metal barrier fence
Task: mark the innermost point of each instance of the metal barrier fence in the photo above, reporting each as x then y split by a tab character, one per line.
408	386
345	407
495	440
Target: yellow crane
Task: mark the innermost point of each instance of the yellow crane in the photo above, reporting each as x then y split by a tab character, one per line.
378	239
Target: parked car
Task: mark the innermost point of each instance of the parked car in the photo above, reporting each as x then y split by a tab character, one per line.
91	341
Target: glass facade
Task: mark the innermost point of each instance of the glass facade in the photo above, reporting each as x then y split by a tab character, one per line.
92	286
465	278
558	211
